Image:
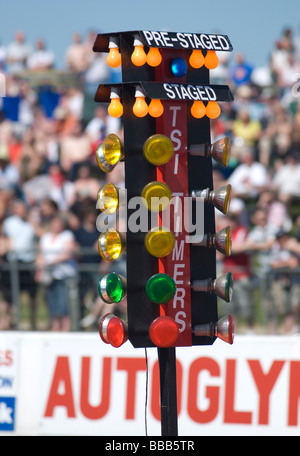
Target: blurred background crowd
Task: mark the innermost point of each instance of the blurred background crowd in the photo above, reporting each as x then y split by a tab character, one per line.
50	127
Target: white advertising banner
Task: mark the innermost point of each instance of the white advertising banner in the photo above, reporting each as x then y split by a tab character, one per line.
74	384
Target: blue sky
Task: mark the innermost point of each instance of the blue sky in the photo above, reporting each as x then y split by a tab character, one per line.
252	25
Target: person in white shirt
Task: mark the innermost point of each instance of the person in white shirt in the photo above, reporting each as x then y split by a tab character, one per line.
56	257
41	58
249	178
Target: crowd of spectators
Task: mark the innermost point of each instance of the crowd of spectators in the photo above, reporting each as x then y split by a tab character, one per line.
49	178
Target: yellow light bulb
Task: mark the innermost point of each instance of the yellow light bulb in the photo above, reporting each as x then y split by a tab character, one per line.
159	241
213	110
198	109
156	108
196	59
211	60
115	108
140	107
138	57
154	57
114	58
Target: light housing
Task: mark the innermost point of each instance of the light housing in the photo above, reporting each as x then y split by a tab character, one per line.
163	331
111	244
109	153
112	287
219	197
159	241
221	241
222	286
160	288
113	330
158	149
223	329
219	150
157	196
108	198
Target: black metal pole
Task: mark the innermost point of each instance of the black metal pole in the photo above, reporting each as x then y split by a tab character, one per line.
168	391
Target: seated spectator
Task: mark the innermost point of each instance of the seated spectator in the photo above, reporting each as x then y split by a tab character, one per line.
246	132
286	180
9	174
276	212
41	58
75	148
249	178
56	264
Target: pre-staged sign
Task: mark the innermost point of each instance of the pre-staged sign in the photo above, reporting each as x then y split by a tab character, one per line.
74	384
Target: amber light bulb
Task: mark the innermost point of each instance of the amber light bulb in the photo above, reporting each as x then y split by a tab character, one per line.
140	107
115	108
211	60
156	108
196	59
213	110
154	57
114	57
138	57
198	109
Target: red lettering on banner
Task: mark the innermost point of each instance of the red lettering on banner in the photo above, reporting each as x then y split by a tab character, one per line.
88	410
61	376
231	415
264	383
212	392
294	393
6	358
155	390
132	366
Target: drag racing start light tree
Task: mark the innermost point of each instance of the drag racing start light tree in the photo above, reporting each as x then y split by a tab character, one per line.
166	102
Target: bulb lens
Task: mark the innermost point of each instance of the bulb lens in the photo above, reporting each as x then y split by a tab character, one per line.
111	245
157	196
111	287
178	67
164	331
159	242
108	198
158	149
228	287
160	288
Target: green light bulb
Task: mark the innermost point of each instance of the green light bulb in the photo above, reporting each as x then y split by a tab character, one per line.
160	288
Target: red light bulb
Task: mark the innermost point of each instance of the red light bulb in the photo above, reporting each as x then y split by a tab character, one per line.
164	331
